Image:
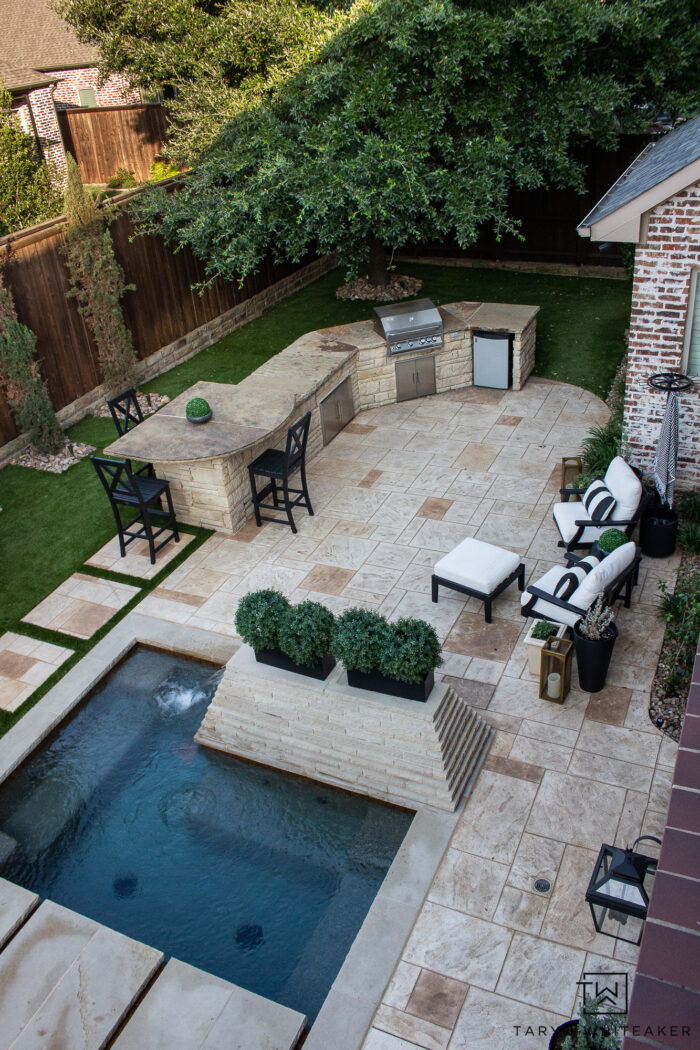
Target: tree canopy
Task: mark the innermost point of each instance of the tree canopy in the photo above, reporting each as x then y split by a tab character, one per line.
418	117
27	194
218	56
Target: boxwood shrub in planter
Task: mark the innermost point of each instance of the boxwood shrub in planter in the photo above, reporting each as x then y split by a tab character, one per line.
305	638
594	640
398	659
294	638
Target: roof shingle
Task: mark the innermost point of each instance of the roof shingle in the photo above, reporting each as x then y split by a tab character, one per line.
36	37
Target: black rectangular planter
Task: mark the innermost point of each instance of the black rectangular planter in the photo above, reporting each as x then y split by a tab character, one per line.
378	683
276	658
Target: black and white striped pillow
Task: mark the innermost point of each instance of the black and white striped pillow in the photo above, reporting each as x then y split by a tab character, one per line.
598	501
571	580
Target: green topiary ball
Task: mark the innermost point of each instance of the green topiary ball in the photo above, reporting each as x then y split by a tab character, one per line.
197	407
359	638
306	633
259	617
611	539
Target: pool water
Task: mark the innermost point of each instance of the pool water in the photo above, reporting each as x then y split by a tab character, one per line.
252	875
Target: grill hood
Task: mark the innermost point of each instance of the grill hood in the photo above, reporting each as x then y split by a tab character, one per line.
415	325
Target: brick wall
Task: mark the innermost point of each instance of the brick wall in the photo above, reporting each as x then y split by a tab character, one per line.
660	293
114	92
38	117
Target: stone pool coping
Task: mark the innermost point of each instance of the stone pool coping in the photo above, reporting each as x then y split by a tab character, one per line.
347	1012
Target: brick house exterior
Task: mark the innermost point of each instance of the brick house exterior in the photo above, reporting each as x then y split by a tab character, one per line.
656	204
45	67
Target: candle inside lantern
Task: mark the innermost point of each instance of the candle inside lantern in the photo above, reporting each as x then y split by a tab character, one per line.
553	685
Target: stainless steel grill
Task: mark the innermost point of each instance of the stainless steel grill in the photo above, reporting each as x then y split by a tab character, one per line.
416	325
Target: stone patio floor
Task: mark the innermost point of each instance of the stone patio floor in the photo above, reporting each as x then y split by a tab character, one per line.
490	963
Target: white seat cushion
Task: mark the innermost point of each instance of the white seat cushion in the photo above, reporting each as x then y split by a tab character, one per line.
567	514
481	566
604	574
551	612
625	487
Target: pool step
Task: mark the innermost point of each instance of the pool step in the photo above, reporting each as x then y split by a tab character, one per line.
397	750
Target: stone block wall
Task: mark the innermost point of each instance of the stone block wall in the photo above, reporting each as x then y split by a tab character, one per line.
662	278
523	355
114	92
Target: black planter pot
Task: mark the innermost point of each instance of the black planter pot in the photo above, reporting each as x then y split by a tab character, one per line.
593	659
276	658
379	683
559	1034
657	533
200	419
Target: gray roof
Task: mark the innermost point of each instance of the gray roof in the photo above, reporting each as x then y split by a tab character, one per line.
34	36
658	161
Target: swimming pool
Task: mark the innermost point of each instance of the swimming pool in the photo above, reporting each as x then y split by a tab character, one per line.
250	874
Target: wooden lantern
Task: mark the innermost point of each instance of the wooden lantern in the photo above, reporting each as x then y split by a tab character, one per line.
555	669
571	467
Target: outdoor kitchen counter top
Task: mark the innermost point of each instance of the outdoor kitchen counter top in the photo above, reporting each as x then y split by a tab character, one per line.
247	412
242	413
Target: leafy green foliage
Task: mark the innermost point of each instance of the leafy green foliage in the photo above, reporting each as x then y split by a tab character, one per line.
543	629
681	611
197	407
601	446
221	57
259	617
611	539
20	378
123	178
360	636
163	169
688	506
417	120
598	1028
411	651
689	537
306	633
97	282
27	193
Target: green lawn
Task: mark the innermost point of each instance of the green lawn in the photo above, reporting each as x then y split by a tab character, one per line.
51	524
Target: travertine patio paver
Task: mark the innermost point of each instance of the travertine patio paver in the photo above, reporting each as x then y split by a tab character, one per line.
137	561
81	605
25	663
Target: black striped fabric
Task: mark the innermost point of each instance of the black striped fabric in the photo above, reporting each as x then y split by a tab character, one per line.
598	501
571	580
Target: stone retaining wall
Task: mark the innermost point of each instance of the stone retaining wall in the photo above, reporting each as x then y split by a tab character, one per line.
400	751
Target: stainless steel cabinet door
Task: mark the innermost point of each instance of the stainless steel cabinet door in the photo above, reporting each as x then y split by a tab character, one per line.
415	378
337	410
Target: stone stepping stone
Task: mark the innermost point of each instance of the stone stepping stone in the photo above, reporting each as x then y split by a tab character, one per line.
16	904
66	981
188	1009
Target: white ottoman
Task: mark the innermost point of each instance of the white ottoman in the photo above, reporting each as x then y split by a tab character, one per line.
480	570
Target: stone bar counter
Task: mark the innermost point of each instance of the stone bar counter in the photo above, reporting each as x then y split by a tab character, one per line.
206	464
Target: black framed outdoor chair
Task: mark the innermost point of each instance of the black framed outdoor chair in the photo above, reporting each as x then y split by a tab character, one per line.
614	501
566	592
126	414
276	466
142	498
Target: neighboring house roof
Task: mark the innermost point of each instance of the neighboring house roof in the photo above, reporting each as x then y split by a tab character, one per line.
23	79
36	37
663	168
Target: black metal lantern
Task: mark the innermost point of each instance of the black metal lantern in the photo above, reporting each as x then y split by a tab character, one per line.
618	893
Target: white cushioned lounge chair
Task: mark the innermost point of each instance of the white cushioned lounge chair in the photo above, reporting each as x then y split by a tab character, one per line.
566	592
617	503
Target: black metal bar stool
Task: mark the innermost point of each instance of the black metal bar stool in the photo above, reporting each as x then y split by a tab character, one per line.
126	414
143	496
277	466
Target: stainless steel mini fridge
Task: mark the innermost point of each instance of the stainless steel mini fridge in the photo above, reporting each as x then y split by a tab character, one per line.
493	359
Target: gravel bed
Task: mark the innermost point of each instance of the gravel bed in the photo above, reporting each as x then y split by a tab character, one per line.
399	287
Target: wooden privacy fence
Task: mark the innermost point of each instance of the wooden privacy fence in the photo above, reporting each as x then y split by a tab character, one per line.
105	139
162	309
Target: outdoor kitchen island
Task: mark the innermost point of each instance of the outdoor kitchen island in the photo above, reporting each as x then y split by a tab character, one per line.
206	464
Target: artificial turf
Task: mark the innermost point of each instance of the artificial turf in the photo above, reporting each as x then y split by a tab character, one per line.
51	524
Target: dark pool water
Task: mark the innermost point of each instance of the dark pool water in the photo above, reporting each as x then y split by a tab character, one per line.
247	873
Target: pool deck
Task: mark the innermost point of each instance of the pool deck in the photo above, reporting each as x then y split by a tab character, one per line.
488	963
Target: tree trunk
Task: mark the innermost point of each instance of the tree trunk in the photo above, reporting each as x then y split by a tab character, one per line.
377	272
